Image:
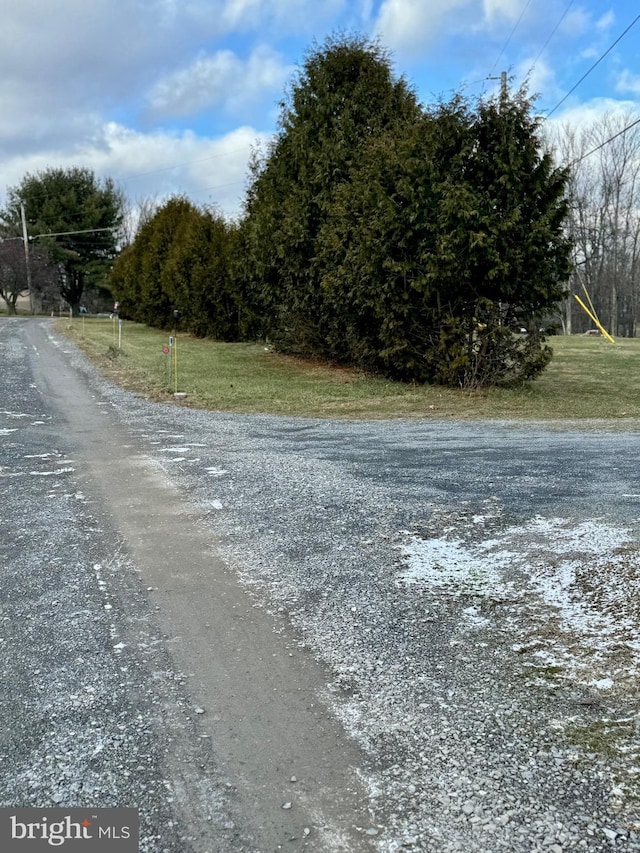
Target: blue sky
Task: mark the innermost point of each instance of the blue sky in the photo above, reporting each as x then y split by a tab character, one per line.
170	96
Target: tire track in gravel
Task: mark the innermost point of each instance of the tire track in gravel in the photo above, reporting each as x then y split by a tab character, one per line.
253	691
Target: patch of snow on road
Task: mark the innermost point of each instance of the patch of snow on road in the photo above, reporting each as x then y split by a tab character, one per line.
450	564
15	414
55	473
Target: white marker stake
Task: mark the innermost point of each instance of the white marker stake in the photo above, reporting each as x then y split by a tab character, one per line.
175	356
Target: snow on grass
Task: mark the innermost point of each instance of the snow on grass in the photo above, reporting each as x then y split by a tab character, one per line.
573	591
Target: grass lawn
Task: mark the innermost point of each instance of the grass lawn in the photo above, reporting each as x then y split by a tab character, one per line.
588	378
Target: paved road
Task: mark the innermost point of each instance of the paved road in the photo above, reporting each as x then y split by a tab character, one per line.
412	635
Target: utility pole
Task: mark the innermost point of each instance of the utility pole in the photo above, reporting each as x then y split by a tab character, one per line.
25	240
503	87
504	91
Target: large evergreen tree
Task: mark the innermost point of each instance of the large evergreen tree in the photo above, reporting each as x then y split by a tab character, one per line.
344	96
82	212
447	241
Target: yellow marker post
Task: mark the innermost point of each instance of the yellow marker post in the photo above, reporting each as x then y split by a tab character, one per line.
176	319
594	318
586	293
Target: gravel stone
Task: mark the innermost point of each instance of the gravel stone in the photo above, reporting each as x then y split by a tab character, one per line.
472	589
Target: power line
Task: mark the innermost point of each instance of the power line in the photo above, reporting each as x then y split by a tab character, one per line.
550	36
66	233
511	34
51	195
185	163
220	186
595	64
606	142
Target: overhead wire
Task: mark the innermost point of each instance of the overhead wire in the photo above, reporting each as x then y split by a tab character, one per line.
161	169
549	37
67	233
511	34
185	163
595	64
606	142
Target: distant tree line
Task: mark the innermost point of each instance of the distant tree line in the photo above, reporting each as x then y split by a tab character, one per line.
604	221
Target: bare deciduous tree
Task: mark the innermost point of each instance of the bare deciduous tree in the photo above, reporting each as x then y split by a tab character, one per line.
13	272
604	221
45	276
135	215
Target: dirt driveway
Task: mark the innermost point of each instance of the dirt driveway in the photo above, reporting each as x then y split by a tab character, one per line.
272	633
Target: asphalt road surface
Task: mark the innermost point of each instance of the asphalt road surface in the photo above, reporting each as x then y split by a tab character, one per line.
287	634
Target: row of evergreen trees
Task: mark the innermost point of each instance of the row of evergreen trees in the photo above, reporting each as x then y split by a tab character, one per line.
411	241
183	259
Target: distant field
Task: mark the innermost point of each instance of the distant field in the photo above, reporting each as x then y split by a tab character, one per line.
588	378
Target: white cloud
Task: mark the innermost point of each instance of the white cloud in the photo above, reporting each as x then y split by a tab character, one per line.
606	21
213	171
628	83
584	115
64	63
243	13
86	82
74	46
156	165
541	77
407	25
576	23
495	9
222	79
282	16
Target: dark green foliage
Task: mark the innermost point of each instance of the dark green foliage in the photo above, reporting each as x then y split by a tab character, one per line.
344	96
501	254
71	200
180	261
416	243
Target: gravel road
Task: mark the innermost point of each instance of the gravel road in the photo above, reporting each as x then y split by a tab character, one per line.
414	635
